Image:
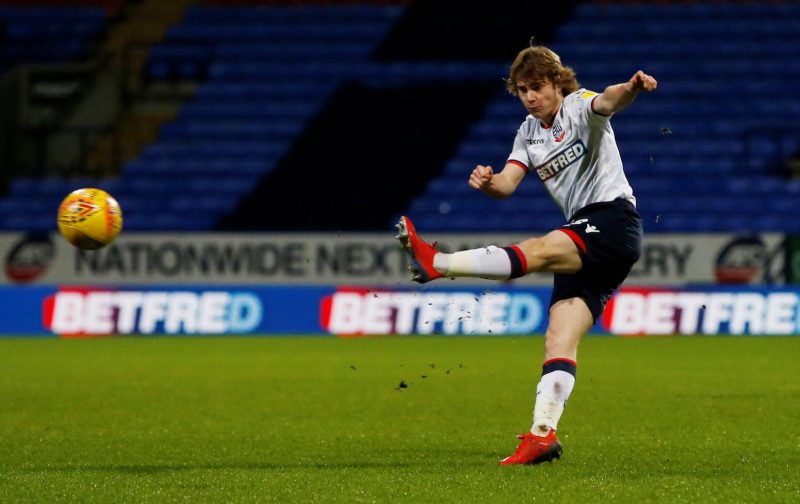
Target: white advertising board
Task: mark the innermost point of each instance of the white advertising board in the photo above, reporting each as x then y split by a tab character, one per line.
350	258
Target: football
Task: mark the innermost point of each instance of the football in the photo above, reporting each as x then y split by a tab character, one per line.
89	218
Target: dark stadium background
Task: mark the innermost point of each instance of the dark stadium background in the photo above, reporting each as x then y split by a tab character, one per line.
340	116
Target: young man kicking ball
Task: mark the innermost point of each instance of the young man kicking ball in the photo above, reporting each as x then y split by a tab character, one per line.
567	141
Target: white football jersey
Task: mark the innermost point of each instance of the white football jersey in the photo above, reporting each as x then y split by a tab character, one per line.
576	157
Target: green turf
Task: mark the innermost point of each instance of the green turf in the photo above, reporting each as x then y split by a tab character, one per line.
323	420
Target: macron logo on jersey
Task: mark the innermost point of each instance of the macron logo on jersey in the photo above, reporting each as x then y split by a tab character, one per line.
561	160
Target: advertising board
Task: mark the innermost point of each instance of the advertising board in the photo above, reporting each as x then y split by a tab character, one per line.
351	259
89	311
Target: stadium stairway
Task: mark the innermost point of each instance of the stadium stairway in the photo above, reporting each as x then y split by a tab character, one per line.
703	153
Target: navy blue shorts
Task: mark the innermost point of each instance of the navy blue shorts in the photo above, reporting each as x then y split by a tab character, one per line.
609	237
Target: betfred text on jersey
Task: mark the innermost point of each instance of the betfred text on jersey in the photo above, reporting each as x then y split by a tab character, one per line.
561	160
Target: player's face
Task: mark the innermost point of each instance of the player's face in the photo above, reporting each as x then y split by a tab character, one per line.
540	99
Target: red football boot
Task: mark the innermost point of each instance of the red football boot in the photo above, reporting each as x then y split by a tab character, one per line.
420	251
535	449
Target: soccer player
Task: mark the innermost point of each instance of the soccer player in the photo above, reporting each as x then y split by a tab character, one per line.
567	141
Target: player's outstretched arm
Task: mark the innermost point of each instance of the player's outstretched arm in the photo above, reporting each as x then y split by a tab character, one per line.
615	98
497	185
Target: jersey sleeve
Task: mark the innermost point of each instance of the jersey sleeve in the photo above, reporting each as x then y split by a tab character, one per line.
519	154
583	101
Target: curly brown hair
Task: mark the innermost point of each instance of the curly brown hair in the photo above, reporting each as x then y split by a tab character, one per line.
535	65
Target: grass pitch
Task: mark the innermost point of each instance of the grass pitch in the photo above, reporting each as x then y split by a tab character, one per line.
327	420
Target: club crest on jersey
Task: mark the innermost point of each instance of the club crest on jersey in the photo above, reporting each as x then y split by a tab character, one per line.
558	132
561	160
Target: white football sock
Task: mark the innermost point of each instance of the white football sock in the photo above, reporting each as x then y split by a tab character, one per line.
551	396
489	262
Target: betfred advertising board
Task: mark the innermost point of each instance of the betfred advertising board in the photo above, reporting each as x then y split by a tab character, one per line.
741	311
453	311
89	311
212	310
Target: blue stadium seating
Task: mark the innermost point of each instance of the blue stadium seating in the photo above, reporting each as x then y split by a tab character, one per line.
695	153
263	72
48	34
265	79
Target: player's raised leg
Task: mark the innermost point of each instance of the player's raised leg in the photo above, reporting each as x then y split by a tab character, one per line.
554	252
570	319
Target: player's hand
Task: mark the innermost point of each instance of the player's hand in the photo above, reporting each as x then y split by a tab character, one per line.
481	177
643	82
